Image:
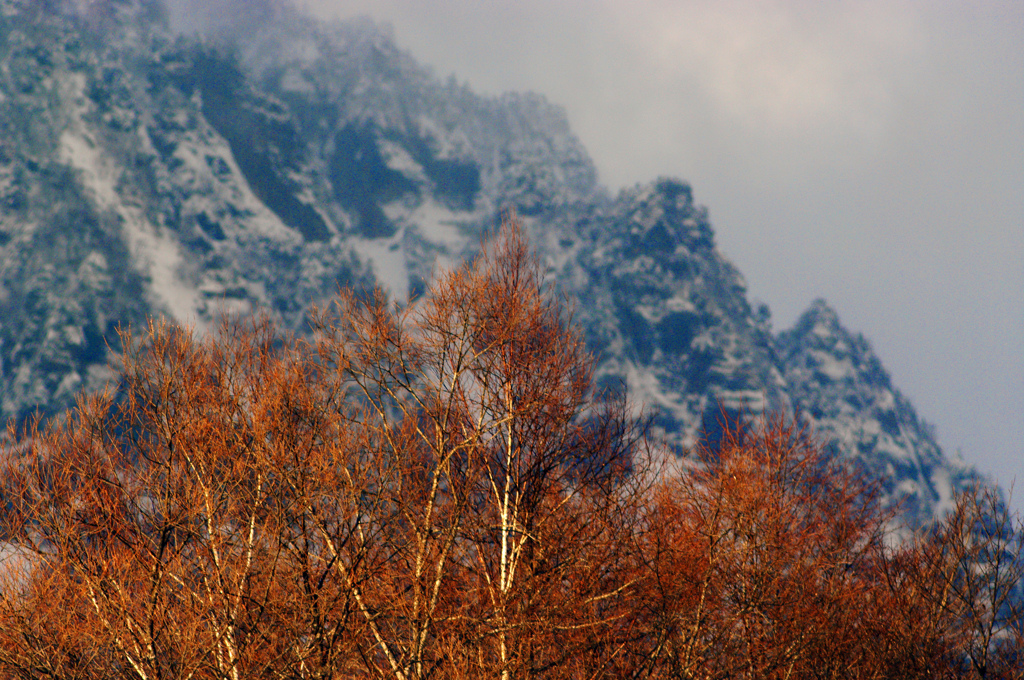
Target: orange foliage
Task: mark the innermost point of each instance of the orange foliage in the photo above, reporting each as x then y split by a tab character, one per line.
436	491
761	554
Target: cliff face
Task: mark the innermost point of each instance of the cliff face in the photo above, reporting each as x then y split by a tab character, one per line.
144	173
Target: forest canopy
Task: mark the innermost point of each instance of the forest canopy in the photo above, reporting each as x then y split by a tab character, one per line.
439	491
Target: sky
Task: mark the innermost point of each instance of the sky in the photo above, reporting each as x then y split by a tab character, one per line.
871	153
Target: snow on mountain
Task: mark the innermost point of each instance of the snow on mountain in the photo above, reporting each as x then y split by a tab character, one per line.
841	387
668	313
146	173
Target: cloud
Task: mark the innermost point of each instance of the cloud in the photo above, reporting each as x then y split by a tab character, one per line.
234	18
759	91
783	67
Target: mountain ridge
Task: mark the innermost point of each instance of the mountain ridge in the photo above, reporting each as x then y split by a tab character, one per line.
186	176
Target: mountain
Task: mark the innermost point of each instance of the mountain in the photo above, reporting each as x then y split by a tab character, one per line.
147	173
840	384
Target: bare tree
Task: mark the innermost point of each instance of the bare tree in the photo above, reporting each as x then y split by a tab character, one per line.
516	485
435	491
762	558
961	586
185	528
427	492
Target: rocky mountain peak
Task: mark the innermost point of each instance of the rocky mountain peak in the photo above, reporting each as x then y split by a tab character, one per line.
819	319
665	219
193	177
839	385
819	343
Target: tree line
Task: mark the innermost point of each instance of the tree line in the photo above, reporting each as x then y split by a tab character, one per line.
437	491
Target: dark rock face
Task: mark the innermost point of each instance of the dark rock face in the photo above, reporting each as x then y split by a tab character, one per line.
143	173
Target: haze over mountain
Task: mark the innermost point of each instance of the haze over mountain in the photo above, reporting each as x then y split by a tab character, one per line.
143	172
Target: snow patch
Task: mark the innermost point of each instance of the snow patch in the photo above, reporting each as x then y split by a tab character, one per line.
80	152
680	303
745	401
164	261
446	143
943	484
885	401
155	254
388	262
822	330
440	226
196	155
397	158
646	390
834	368
295	81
